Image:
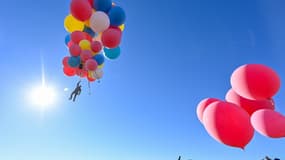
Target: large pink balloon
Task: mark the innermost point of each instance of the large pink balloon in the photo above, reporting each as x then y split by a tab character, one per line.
255	81
203	105
228	124
247	104
269	123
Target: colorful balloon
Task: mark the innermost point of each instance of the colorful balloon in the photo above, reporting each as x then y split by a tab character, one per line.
91	2
81	9
98	74
81	72
255	81
122	27
67	39
117	16
85	55
91	65
71	24
74	61
111	37
203	105
75	50
113	53
99	58
68	71
77	36
228	124
96	46
65	61
247	104
103	5
85	44
269	123
99	21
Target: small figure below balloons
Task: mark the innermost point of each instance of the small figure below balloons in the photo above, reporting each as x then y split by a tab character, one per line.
75	92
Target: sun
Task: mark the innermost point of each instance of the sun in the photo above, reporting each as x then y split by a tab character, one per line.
43	96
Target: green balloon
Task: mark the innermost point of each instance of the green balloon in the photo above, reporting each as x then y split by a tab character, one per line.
112	53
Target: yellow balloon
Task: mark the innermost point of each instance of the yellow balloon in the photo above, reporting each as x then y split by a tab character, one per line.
101	66
85	44
71	24
122	27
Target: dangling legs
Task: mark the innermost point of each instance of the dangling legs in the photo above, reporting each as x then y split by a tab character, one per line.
74	97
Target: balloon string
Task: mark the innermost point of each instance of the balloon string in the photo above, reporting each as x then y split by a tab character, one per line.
89	88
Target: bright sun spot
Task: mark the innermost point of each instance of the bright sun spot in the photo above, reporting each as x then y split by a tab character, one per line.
43	96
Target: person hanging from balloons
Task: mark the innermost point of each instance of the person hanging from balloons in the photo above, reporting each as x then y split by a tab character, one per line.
75	92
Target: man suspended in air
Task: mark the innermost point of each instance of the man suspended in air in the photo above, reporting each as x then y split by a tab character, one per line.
76	91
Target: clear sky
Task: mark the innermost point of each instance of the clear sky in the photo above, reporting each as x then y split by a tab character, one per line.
174	54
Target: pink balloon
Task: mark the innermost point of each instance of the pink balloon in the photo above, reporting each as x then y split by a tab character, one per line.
269	123
255	81
247	104
228	124
81	9
203	105
85	55
91	65
75	50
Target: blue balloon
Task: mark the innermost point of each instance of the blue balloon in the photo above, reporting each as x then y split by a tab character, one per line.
117	16
89	31
99	58
112	53
103	5
74	61
67	39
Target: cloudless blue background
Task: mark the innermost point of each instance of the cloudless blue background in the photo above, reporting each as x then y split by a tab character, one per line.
174	54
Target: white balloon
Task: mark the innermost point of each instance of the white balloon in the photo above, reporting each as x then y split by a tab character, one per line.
99	21
98	73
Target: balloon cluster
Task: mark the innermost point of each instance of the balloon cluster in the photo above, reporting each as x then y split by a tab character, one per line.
248	106
95	31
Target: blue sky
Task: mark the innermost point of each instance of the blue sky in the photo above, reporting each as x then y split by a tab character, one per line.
174	54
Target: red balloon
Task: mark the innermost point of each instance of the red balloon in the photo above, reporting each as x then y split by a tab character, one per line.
91	2
247	104
111	37
68	71
96	46
81	72
91	65
69	44
81	9
85	55
269	123
228	124
65	61
75	50
255	81
77	36
203	105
